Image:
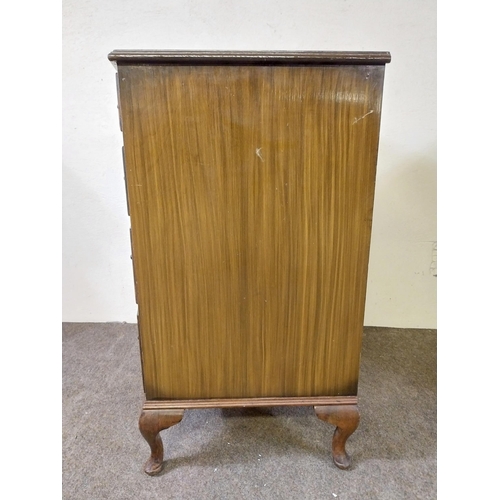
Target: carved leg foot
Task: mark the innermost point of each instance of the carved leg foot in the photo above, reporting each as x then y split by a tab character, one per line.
346	418
151	422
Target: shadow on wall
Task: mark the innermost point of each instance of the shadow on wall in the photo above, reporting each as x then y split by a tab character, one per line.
405	196
402	269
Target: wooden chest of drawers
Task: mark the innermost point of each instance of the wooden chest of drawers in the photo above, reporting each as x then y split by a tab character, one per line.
250	181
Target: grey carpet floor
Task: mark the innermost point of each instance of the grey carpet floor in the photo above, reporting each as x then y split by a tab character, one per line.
268	453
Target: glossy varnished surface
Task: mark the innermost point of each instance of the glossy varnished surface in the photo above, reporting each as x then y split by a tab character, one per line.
250	192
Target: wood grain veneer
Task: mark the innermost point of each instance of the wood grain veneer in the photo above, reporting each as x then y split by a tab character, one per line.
250	181
250	191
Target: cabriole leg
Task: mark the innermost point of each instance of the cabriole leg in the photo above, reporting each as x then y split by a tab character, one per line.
346	419
151	422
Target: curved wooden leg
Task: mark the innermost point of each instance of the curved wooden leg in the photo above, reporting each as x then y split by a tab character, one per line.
151	422
346	418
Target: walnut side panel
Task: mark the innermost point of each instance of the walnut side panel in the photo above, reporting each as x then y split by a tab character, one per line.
250	193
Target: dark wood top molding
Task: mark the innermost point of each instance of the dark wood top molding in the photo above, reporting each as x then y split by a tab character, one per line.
247	58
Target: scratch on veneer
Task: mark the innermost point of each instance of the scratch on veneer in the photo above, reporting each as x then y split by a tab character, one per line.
259	154
356	120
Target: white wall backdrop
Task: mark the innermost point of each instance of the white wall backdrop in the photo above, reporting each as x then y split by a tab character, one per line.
97	272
